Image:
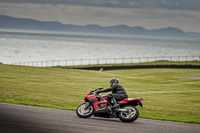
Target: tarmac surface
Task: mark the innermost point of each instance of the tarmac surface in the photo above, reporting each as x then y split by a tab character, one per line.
28	119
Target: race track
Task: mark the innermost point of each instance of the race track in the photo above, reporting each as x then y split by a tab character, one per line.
27	119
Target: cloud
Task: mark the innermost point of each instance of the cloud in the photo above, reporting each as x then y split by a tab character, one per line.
147	4
147	13
105	16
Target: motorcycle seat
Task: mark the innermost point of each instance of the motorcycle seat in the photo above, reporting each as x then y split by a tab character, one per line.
129	100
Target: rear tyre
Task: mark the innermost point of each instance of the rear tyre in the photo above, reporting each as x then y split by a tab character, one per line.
130	115
84	113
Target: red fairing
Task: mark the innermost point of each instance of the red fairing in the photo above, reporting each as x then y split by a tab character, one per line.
105	96
96	104
127	100
89	97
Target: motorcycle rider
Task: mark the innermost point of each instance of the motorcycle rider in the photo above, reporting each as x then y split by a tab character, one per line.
118	92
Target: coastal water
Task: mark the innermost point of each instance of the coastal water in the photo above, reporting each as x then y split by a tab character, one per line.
32	46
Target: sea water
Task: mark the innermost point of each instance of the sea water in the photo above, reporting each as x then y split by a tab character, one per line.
44	46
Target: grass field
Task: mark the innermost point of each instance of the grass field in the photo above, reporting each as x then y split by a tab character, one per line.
167	94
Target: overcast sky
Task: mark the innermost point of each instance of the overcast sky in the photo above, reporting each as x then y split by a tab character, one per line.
150	14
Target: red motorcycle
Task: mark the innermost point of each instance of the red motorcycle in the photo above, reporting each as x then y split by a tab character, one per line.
101	106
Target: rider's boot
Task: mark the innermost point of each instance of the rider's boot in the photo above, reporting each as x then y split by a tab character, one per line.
116	105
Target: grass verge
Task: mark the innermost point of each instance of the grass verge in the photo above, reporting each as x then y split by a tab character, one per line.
167	95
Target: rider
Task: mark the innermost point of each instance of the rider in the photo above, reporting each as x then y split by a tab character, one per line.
118	92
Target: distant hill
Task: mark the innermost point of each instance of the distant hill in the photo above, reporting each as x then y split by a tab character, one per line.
7	22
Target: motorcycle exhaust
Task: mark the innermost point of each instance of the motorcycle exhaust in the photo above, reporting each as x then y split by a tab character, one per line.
122	110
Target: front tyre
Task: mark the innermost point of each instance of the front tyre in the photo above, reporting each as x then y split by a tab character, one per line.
130	115
84	113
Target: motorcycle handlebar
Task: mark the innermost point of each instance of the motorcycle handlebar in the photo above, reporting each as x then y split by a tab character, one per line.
101	88
97	90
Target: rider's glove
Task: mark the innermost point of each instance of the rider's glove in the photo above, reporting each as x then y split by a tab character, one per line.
98	92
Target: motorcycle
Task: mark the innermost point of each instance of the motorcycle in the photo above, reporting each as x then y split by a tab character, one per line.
101	106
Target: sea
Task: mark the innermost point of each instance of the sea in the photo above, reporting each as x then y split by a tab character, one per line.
26	46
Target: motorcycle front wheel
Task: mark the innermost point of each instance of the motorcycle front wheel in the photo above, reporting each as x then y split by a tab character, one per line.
130	115
84	113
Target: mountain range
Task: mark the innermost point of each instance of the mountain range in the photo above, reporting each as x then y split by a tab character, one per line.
7	22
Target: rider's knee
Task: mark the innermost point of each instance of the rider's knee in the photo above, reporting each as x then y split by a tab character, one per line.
110	96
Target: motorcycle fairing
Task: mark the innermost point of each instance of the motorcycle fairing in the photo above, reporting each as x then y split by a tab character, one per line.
89	97
96	104
131	101
96	101
128	100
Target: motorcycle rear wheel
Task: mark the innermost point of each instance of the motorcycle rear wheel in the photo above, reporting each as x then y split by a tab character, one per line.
130	115
84	113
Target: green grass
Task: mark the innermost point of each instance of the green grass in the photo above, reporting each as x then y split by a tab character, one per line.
167	95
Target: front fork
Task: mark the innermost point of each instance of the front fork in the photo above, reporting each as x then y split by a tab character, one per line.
87	105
